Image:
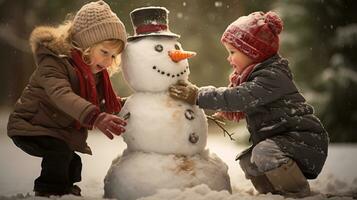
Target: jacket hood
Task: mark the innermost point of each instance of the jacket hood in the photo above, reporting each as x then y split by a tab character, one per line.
53	38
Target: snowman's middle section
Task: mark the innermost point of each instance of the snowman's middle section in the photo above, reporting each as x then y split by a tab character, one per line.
157	123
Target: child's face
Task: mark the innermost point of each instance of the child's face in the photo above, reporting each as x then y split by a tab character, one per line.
102	56
237	59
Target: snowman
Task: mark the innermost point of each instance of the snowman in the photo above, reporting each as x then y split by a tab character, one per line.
166	138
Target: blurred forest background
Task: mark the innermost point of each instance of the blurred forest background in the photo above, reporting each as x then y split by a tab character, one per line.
319	39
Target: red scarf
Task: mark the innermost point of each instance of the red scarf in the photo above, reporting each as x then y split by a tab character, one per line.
235	80
88	88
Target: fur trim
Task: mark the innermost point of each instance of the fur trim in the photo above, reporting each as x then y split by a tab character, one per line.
53	38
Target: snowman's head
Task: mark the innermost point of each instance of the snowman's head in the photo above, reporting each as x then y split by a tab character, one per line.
153	63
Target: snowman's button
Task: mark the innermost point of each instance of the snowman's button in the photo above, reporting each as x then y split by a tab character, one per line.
193	138
189	114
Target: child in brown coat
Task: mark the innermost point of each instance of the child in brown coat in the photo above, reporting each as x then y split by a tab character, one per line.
69	93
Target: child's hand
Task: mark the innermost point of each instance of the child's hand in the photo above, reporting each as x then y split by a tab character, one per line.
184	91
109	124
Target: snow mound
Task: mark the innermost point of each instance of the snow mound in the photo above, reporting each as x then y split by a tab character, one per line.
203	192
129	178
30	197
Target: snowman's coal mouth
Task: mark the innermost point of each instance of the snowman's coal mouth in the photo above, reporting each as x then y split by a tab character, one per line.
168	74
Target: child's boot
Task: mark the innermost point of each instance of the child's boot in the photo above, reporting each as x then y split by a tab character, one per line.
287	180
262	184
75	190
47	194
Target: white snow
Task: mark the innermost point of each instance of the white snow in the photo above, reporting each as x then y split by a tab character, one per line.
149	8
218	4
18	170
179	15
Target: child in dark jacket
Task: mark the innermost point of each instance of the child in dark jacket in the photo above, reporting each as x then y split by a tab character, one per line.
289	143
69	93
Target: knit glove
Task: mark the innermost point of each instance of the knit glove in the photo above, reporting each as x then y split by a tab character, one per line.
109	124
184	91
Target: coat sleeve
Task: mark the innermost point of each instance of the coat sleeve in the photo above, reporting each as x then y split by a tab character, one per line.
53	77
265	86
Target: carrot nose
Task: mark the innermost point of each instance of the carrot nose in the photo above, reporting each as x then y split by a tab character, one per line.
178	55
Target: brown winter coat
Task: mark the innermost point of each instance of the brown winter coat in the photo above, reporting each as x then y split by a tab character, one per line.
50	104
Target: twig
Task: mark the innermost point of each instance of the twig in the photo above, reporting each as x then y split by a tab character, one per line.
219	124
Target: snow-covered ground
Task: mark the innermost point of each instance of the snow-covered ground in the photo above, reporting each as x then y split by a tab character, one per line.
18	170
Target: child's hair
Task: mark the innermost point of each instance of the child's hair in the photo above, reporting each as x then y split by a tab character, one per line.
255	35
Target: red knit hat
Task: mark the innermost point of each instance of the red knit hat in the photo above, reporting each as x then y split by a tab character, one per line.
255	35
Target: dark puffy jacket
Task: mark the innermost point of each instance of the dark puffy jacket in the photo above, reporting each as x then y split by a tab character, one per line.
275	109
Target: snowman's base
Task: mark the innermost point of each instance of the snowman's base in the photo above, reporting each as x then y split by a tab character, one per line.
139	174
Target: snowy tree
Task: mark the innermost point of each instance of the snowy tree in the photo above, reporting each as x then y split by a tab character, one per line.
320	40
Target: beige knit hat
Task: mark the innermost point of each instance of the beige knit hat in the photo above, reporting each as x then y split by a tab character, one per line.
95	22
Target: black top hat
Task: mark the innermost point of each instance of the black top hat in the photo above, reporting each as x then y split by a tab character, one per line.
150	21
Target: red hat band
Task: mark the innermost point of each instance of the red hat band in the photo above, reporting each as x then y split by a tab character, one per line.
149	28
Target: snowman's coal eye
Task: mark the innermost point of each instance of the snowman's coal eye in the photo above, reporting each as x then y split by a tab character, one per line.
177	47
159	48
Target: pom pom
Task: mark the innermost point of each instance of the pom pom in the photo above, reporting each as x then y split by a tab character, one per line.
274	22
